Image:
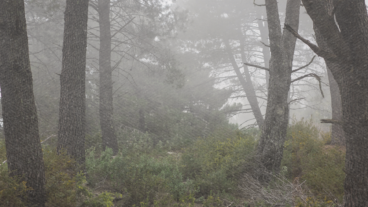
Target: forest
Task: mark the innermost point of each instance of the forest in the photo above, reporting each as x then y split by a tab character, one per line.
183	103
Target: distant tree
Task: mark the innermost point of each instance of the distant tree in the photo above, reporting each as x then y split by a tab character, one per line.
282	45
22	141
221	35
343	26
106	85
72	121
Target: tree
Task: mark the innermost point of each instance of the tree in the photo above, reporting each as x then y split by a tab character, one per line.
72	121
106	97
282	45
224	31
24	151
337	132
343	26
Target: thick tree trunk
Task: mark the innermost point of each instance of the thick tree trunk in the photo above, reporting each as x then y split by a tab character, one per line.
72	80
246	84
109	138
271	144
345	31
22	141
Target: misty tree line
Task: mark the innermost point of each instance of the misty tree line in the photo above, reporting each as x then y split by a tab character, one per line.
173	68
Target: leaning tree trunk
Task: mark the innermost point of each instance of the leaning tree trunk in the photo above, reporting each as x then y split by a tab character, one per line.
72	118
337	132
109	138
246	84
271	144
22	140
345	31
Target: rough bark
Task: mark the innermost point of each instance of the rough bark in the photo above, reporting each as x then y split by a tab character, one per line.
109	138
349	50
337	132
282	45
72	119
22	141
246	84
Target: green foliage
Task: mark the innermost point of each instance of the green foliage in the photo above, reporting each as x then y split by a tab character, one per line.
142	177
11	189
215	163
307	157
2	150
212	201
60	178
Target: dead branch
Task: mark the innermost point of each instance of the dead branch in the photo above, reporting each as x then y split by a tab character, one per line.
293	71
325	54
331	121
121	28
318	78
266	45
254	2
257	66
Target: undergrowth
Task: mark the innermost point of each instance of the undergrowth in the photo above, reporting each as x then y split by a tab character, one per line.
204	171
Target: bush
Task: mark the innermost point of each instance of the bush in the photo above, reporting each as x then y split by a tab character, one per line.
307	158
60	178
11	189
142	177
216	162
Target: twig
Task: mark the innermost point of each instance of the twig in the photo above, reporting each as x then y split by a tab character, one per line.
254	2
112	36
314	76
265	44
293	71
257	66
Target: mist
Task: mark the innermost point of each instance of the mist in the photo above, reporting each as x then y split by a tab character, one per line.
183	102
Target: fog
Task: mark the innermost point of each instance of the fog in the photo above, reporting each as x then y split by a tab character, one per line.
171	102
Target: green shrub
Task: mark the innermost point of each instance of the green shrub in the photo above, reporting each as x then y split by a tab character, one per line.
60	178
142	177
307	158
216	163
11	189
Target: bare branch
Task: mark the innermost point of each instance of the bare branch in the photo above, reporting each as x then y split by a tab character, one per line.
266	45
318	78
257	66
254	2
330	121
325	54
121	28
304	65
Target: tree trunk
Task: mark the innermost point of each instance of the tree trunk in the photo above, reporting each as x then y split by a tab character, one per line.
265	50
72	118
271	144
345	30
246	84
337	132
109	138
22	141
